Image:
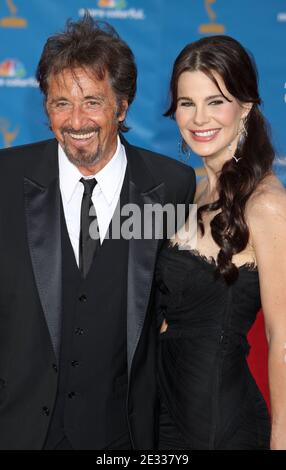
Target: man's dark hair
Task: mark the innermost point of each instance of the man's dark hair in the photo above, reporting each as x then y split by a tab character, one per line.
97	47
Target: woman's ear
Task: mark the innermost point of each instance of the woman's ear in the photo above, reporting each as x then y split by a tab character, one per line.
246	108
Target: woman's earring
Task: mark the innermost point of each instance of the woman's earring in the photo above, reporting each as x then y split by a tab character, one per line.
184	153
243	130
242	136
232	154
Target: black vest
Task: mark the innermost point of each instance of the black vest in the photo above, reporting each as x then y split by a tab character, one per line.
90	409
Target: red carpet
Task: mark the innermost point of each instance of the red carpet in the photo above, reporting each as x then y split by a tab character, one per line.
257	358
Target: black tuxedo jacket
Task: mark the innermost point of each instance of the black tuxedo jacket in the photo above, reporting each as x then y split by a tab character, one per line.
30	289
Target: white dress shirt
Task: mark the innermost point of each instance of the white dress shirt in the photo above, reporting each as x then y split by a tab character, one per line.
105	195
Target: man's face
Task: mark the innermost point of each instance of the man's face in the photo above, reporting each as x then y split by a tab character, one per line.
84	117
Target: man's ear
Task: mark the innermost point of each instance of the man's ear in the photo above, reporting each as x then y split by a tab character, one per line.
122	110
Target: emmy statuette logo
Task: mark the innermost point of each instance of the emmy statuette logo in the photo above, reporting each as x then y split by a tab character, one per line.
212	26
8	135
12	21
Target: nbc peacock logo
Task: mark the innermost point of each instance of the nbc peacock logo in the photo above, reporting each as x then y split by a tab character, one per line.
12	68
13	74
119	4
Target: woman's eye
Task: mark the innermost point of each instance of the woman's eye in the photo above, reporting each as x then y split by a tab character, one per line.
216	102
186	103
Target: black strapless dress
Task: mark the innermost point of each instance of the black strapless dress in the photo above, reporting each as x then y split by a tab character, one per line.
209	399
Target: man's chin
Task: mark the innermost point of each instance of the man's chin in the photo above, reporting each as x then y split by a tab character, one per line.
82	158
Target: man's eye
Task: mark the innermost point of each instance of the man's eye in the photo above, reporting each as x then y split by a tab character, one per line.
92	103
61	104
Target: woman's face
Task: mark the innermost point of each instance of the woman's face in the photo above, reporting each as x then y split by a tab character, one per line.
207	121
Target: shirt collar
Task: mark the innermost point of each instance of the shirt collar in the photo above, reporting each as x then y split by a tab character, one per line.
108	178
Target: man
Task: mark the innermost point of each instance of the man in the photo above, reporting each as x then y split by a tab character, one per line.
78	335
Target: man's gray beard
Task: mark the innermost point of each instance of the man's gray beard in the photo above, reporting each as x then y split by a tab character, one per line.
81	158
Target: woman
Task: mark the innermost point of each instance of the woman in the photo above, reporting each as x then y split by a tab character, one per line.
210	292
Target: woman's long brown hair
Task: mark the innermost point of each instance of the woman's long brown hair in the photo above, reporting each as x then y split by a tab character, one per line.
237	180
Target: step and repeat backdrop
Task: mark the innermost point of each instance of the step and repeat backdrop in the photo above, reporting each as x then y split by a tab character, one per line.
156	30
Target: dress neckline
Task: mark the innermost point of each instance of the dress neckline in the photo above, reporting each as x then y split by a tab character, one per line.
208	260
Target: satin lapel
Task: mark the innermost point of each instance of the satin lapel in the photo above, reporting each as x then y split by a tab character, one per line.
42	209
141	264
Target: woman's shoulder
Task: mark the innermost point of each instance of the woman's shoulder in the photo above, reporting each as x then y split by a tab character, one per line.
267	201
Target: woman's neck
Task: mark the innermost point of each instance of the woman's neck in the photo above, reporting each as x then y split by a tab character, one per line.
213	166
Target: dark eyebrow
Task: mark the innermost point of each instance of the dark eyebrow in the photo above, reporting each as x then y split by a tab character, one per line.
212	97
59	98
185	98
99	97
56	100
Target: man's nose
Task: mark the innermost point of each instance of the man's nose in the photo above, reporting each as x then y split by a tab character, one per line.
77	117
